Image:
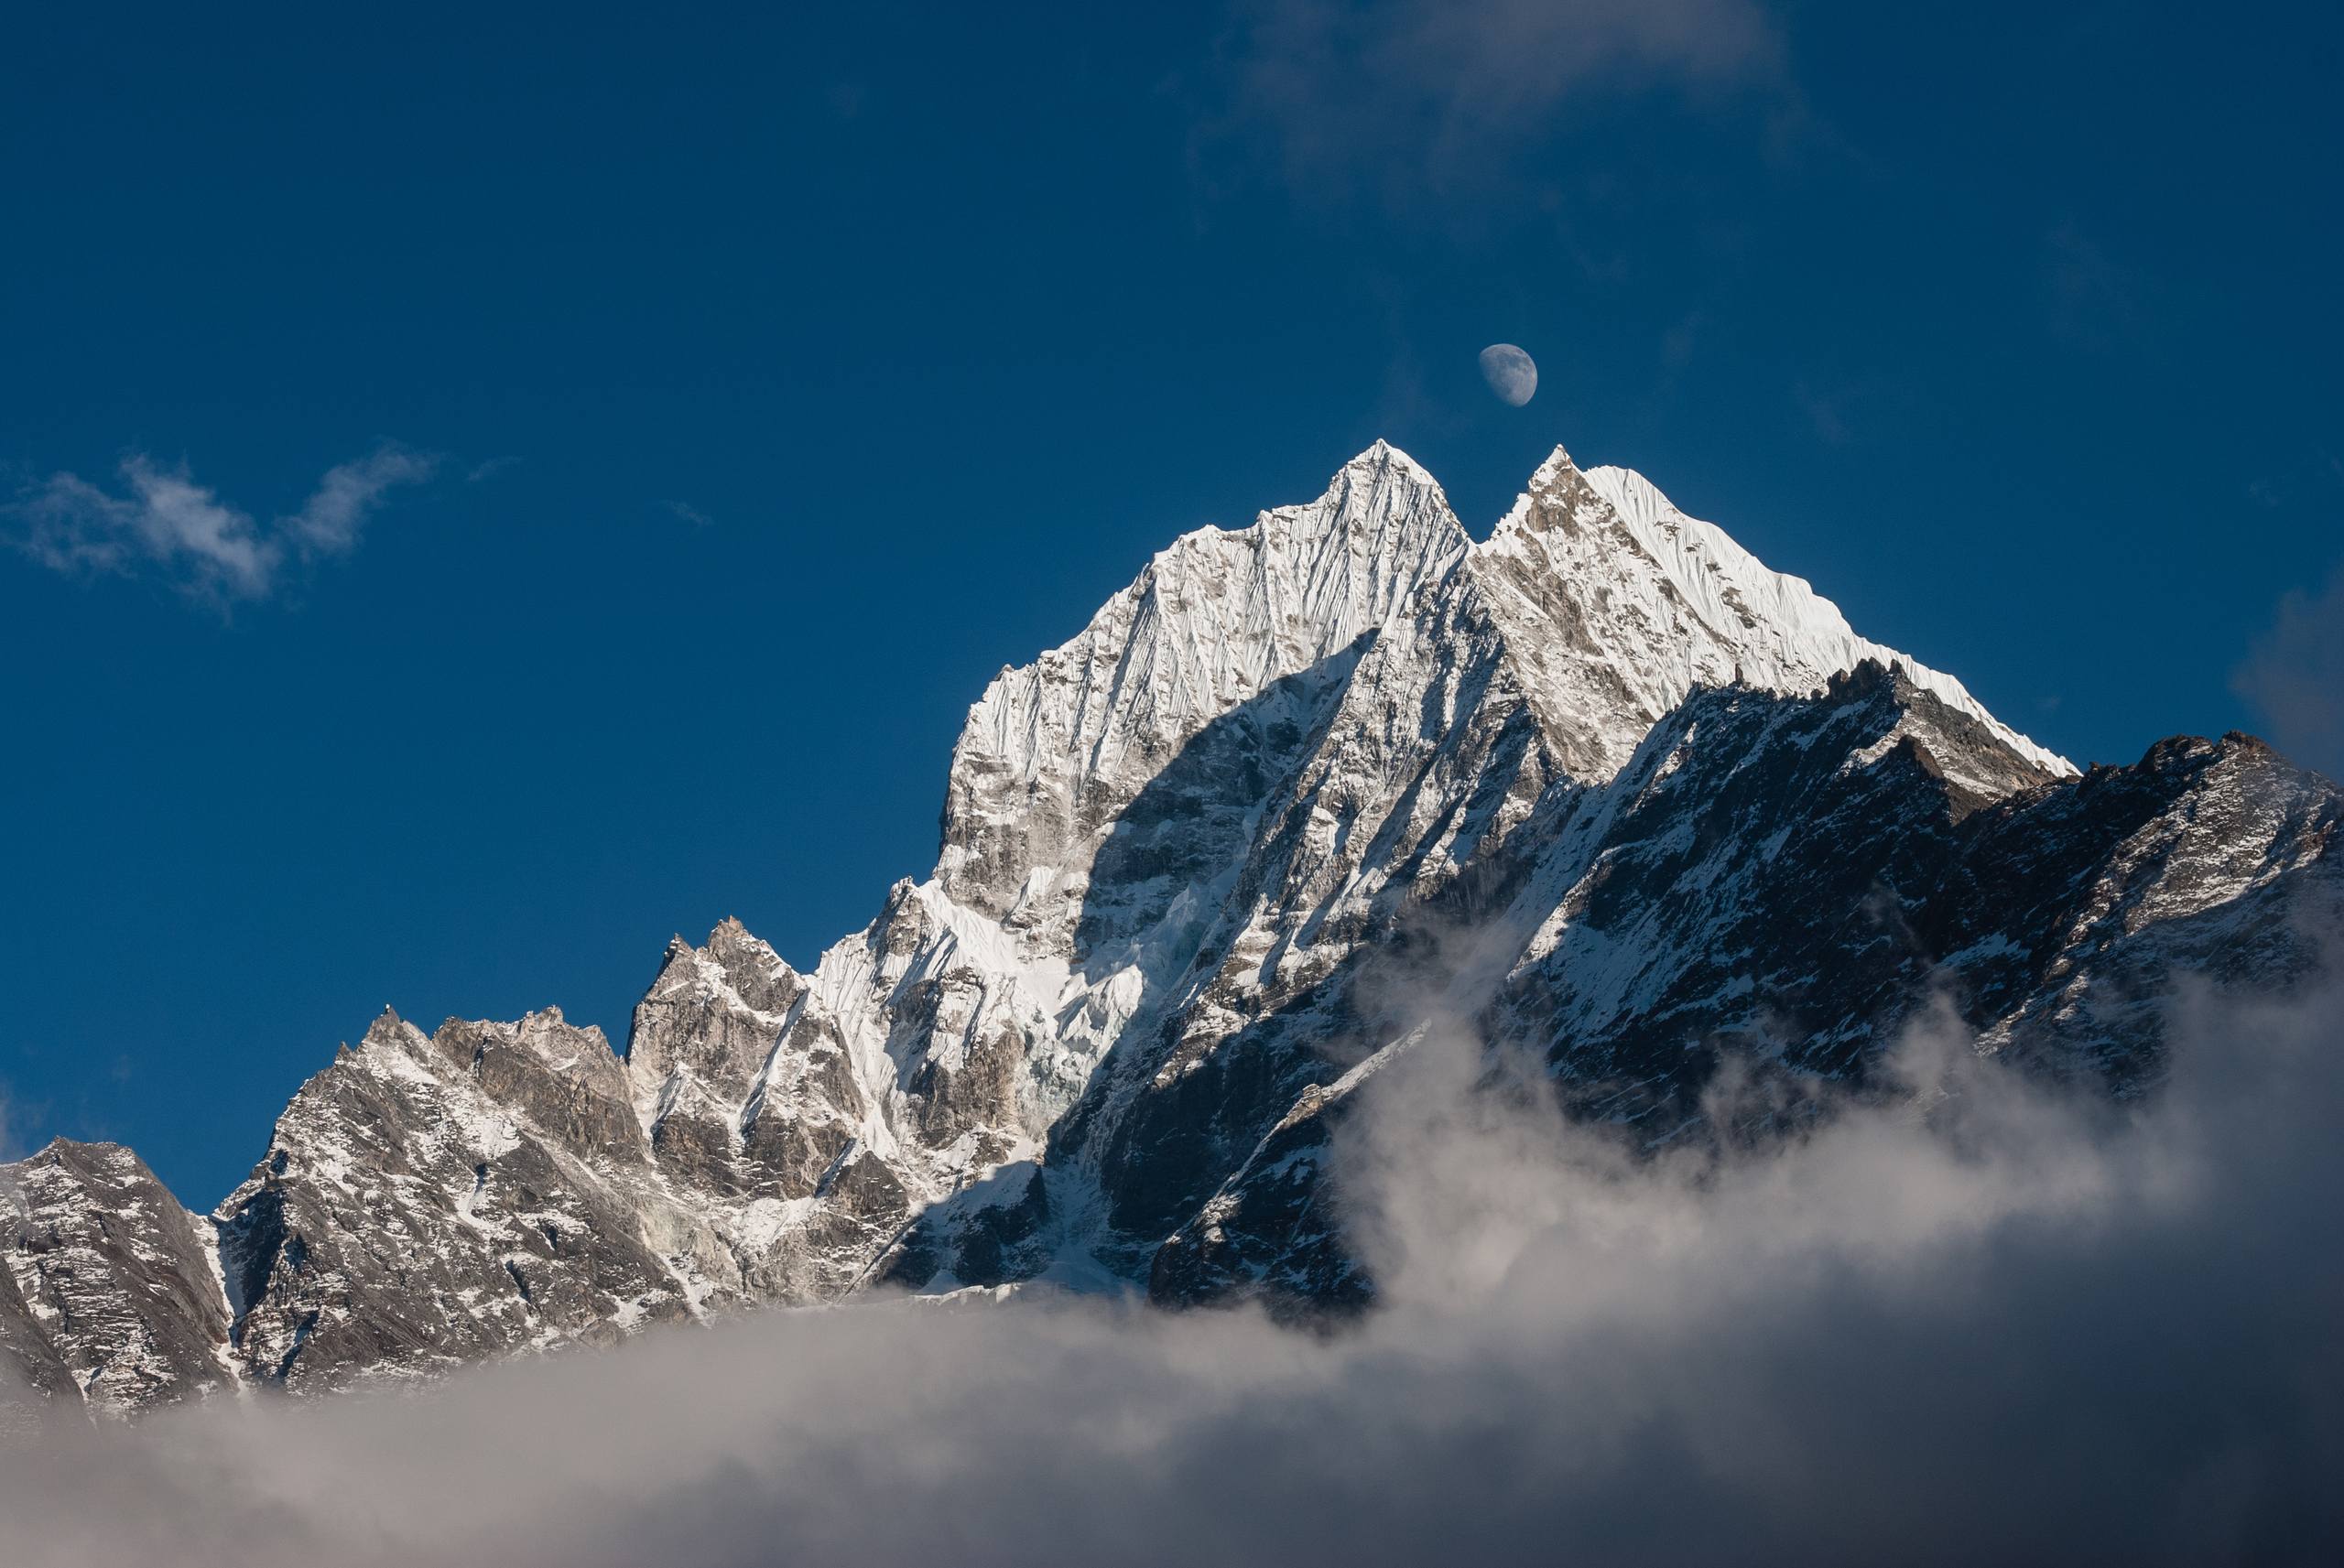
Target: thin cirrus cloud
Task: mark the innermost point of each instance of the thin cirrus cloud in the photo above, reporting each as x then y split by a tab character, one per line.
1429	95
164	525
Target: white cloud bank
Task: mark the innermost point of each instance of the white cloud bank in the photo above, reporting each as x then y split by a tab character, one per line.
1986	1323
165	523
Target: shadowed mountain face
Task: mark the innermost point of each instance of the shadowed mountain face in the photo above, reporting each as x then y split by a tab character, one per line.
1603	790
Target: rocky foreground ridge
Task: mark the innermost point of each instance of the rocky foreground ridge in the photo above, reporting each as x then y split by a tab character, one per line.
1601	788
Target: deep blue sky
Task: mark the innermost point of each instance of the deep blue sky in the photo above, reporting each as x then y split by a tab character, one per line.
2018	336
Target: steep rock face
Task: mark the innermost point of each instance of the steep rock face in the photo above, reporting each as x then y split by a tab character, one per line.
1467	756
1053	752
2074	913
1787	882
757	1107
1604	788
1103	802
111	1289
434	1199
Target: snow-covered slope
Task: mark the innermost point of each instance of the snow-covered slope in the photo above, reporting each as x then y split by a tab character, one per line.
1788	635
1053	750
1604	782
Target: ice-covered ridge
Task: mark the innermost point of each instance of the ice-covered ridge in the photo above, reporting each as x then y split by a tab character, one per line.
1618	605
1721	580
1220	614
1214	618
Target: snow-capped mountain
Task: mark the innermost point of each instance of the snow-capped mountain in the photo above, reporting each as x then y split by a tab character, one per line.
1603	786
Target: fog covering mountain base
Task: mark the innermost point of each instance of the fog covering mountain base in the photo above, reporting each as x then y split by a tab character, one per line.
1977	1316
1602	794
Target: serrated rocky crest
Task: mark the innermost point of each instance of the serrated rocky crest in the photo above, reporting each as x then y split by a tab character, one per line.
1603	785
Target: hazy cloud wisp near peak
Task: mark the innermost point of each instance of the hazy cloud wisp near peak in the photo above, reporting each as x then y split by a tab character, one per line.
1411	95
2294	676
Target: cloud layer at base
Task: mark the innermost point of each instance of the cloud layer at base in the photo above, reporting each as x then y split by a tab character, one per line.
1985	1321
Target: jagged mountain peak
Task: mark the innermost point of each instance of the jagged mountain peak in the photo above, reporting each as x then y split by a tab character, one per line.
389	1029
1378	462
1200	862
1053	749
1381	453
544	1031
1616	601
702	1032
749	963
115	1293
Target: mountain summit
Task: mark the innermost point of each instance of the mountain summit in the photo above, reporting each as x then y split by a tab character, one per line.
1202	864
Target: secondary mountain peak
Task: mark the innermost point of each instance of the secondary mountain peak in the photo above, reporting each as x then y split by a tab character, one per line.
1627	603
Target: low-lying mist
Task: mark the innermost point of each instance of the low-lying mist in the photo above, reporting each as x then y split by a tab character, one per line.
1987	1319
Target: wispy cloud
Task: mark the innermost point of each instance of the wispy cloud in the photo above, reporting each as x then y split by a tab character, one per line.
1406	96
2095	301
329	521
1824	413
161	522
685	512
1678	344
2294	676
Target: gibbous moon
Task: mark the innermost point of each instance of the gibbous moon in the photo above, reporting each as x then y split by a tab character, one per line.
1512	374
